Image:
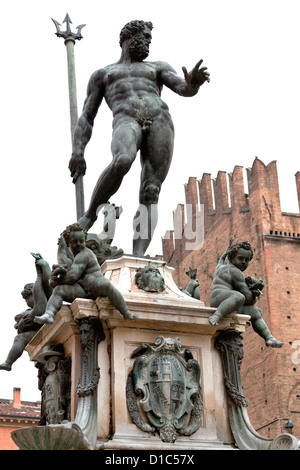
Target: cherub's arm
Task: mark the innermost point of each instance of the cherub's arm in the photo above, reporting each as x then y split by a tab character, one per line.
75	272
64	255
239	284
223	258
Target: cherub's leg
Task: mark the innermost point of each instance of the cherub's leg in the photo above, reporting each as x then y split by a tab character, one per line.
53	306
62	293
20	342
259	325
106	289
228	301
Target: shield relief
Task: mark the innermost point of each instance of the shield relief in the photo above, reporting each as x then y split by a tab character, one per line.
167	380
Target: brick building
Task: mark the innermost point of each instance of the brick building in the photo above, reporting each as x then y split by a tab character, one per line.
270	377
16	414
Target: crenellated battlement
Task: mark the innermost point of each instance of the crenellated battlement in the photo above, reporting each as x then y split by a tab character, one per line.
238	197
208	202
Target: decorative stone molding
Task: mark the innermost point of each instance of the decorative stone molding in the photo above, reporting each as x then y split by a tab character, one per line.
229	343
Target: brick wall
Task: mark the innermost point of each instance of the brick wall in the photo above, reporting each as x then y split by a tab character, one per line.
270	377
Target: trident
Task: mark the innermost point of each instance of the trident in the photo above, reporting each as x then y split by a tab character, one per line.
70	40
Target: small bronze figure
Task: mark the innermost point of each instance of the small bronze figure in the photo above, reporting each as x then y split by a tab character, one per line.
36	296
193	286
82	279
232	292
150	279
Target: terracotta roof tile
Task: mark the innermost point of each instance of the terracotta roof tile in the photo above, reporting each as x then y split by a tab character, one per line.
26	410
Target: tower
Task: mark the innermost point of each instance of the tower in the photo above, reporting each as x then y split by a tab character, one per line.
270	378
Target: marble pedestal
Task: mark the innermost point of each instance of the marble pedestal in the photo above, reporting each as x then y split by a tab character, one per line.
170	314
100	343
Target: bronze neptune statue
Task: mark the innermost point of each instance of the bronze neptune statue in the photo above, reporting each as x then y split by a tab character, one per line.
141	122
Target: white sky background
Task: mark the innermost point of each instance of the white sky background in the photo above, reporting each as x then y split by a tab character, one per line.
250	108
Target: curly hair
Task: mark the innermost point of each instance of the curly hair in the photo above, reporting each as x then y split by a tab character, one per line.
27	291
132	28
232	252
73	228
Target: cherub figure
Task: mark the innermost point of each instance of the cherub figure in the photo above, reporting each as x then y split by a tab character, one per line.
100	244
79	277
36	296
232	292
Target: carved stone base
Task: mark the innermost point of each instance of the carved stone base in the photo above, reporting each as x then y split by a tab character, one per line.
167	313
156	382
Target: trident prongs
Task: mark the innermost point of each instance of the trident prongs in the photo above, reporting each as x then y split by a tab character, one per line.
68	34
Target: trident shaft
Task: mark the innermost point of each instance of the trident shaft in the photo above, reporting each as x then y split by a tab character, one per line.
70	40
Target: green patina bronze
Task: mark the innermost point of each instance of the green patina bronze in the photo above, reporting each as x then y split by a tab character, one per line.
168	380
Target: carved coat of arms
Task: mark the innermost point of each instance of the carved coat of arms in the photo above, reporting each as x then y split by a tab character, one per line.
167	380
